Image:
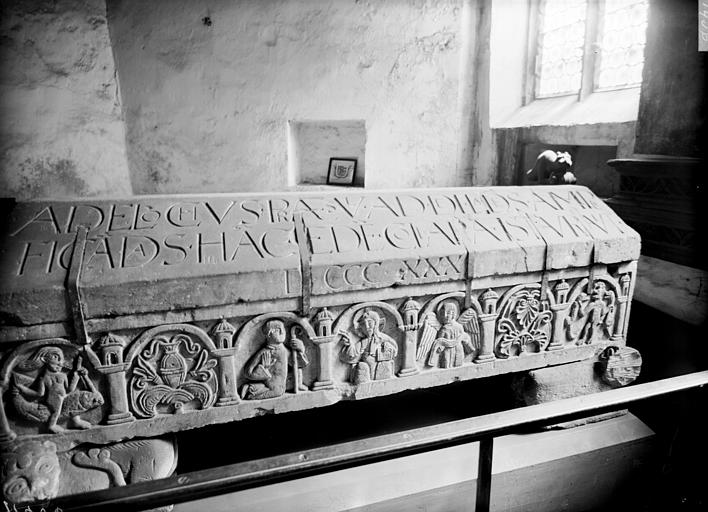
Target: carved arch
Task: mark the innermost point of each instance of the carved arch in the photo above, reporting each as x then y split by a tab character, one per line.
350	311
148	335
432	304
255	321
509	294
582	284
14	356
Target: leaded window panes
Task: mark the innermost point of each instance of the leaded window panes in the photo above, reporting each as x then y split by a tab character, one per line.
561	40
622	43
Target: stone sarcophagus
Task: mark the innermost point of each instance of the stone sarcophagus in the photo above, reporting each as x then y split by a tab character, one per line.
149	315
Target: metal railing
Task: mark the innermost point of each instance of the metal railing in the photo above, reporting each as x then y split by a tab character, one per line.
245	475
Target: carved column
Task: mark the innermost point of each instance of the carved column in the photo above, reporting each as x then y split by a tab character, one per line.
486	351
223	335
115	375
618	335
487	319
324	340
324	351
110	348
410	328
228	394
560	309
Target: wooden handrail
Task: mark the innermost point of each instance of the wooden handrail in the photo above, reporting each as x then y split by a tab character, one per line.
244	475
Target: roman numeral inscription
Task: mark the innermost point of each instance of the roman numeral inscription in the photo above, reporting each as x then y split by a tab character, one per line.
244	247
355	276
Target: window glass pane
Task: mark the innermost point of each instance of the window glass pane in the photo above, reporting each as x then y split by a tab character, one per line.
560	46
622	45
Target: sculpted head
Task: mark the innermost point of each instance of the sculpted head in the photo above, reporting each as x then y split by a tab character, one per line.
449	311
51	358
599	289
369	322
274	331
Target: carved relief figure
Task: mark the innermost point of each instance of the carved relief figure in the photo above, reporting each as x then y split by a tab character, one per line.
50	396
373	355
445	345
35	470
268	368
170	373
592	318
524	324
30	472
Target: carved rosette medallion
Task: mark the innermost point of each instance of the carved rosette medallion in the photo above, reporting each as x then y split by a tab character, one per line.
524	324
620	365
172	373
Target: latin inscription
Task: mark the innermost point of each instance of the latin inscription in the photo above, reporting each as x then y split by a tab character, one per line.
164	234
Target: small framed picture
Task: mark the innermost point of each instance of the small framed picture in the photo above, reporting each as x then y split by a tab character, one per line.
341	171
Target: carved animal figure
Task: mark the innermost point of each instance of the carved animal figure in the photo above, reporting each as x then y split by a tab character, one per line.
50	396
74	404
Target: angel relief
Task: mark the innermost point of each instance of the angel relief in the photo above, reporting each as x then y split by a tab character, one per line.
591	317
444	345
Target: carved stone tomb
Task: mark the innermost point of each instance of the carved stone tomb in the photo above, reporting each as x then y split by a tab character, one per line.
136	318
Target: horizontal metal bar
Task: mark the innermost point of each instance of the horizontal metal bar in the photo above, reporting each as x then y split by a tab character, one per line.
234	477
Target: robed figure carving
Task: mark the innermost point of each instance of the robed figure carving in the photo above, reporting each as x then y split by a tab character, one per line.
444	345
592	317
372	356
268	368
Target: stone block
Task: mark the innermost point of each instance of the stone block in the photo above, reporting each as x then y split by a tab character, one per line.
143	316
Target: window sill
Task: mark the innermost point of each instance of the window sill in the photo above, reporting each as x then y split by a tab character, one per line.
615	106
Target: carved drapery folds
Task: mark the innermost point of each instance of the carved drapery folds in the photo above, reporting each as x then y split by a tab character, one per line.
280	356
172	369
54	384
449	334
370	352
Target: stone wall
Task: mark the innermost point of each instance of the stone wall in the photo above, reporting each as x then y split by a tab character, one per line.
209	88
61	132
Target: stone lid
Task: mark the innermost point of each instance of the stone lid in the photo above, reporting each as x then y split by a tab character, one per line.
169	253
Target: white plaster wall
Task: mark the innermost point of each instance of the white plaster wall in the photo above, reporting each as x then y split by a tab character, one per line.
61	132
207	104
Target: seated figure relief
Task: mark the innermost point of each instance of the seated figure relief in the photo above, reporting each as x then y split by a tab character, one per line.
373	356
444	345
268	367
50	396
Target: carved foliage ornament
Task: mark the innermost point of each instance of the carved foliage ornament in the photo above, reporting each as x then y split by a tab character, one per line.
170	373
524	324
